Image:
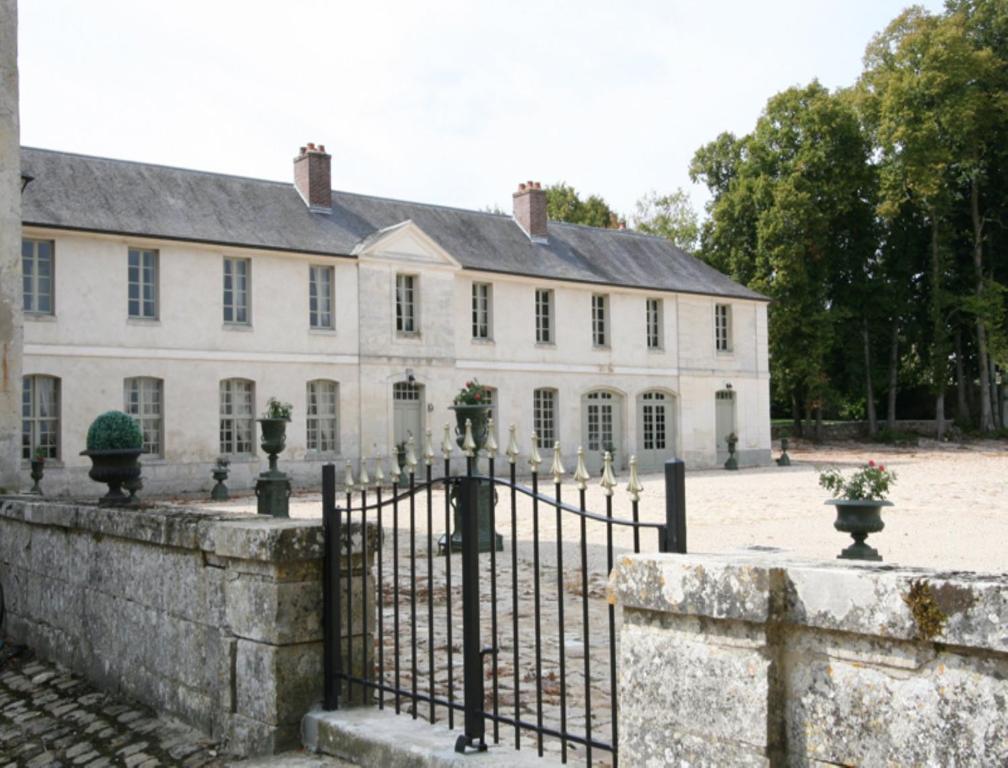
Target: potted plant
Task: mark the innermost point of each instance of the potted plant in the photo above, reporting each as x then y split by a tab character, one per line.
732	440
859	500
220	473
274	425
37	468
400	452
114	443
273	487
473	403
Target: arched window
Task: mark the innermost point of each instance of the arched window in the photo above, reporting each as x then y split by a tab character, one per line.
237	417
40	416
544	416
323	416
143	399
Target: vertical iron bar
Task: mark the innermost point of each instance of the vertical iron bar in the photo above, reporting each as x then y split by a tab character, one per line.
612	634
412	539
493	594
364	591
430	590
635	510
538	633
585	632
475	726
514	605
675	507
332	658
380	606
349	593
448	591
560	623
395	588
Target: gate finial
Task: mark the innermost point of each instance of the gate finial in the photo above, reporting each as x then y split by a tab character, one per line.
557	469
468	444
608	481
363	479
348	480
512	449
534	458
490	445
581	476
428	451
379	471
446	443
411	461
634	486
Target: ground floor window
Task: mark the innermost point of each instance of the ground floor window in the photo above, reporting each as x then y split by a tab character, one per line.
544	408
323	416
653	413
40	416
600	421
142	399
237	417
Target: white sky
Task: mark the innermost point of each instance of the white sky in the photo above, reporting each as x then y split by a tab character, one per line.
441	102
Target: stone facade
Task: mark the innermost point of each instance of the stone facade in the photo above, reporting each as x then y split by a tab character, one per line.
10	251
213	618
764	661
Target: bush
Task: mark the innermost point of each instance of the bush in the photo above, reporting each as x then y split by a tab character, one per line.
871	482
896	437
114	430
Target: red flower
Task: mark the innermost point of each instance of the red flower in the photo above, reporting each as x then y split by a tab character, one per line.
477	396
882	467
871	462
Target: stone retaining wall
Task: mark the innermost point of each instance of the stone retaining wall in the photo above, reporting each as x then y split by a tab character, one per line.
857	430
757	661
213	618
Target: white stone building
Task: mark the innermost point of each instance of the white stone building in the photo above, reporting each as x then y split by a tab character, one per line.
189	298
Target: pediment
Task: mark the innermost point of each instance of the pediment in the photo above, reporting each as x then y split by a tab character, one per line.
404	242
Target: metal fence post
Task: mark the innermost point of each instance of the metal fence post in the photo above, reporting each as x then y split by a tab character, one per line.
332	661
472	669
674	531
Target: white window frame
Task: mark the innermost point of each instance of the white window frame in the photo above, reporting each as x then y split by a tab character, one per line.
317	418
321	303
147	262
544	301
723	328
31	279
653	312
237	298
544	415
482	311
407	305
143	399
600	320
33	423
231	420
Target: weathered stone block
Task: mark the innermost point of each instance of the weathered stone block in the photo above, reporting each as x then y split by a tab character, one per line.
277	684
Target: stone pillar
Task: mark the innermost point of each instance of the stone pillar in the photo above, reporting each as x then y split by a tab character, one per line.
10	252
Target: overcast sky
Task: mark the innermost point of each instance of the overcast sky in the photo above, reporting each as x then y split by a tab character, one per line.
442	102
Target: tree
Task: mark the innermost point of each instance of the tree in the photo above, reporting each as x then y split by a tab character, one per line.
564	204
670	216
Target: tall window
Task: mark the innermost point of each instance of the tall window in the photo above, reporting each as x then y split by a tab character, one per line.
654	323
405	307
323	416
236	290
600	306
600	421
722	327
653	412
40	416
544	316
544	406
143	283
37	268
320	296
237	417
142	397
481	298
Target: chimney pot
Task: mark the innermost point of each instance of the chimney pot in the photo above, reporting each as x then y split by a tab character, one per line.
530	210
313	177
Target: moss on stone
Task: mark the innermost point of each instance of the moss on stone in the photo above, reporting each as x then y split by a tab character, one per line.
928	616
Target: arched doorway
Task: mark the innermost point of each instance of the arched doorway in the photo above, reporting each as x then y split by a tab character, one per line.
656	433
602	428
724	421
407	414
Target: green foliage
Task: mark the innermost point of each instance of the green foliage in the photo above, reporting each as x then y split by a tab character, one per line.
870	483
896	437
564	204
114	430
275	409
473	393
670	216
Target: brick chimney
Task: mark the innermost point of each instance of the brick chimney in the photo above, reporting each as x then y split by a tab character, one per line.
530	210
312	177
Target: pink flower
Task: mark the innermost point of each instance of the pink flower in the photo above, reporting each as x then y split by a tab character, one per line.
871	462
882	467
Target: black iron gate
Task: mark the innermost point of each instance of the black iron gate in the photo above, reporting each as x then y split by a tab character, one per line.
564	710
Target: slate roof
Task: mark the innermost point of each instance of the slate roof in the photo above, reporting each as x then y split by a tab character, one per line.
80	192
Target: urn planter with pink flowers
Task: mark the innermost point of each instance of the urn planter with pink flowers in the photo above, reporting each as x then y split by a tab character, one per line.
859	501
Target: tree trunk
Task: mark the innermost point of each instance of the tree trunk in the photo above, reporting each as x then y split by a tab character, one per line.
939	363
962	401
986	415
893	378
818	422
995	390
869	389
796	415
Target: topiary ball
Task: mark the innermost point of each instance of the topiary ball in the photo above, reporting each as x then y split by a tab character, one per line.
114	430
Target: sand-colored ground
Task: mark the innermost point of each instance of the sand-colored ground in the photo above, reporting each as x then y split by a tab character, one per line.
951	507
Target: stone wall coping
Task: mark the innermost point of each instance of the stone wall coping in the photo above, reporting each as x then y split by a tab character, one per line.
235	535
866	599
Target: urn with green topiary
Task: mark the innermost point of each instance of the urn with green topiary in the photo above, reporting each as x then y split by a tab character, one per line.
273	488
114	443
